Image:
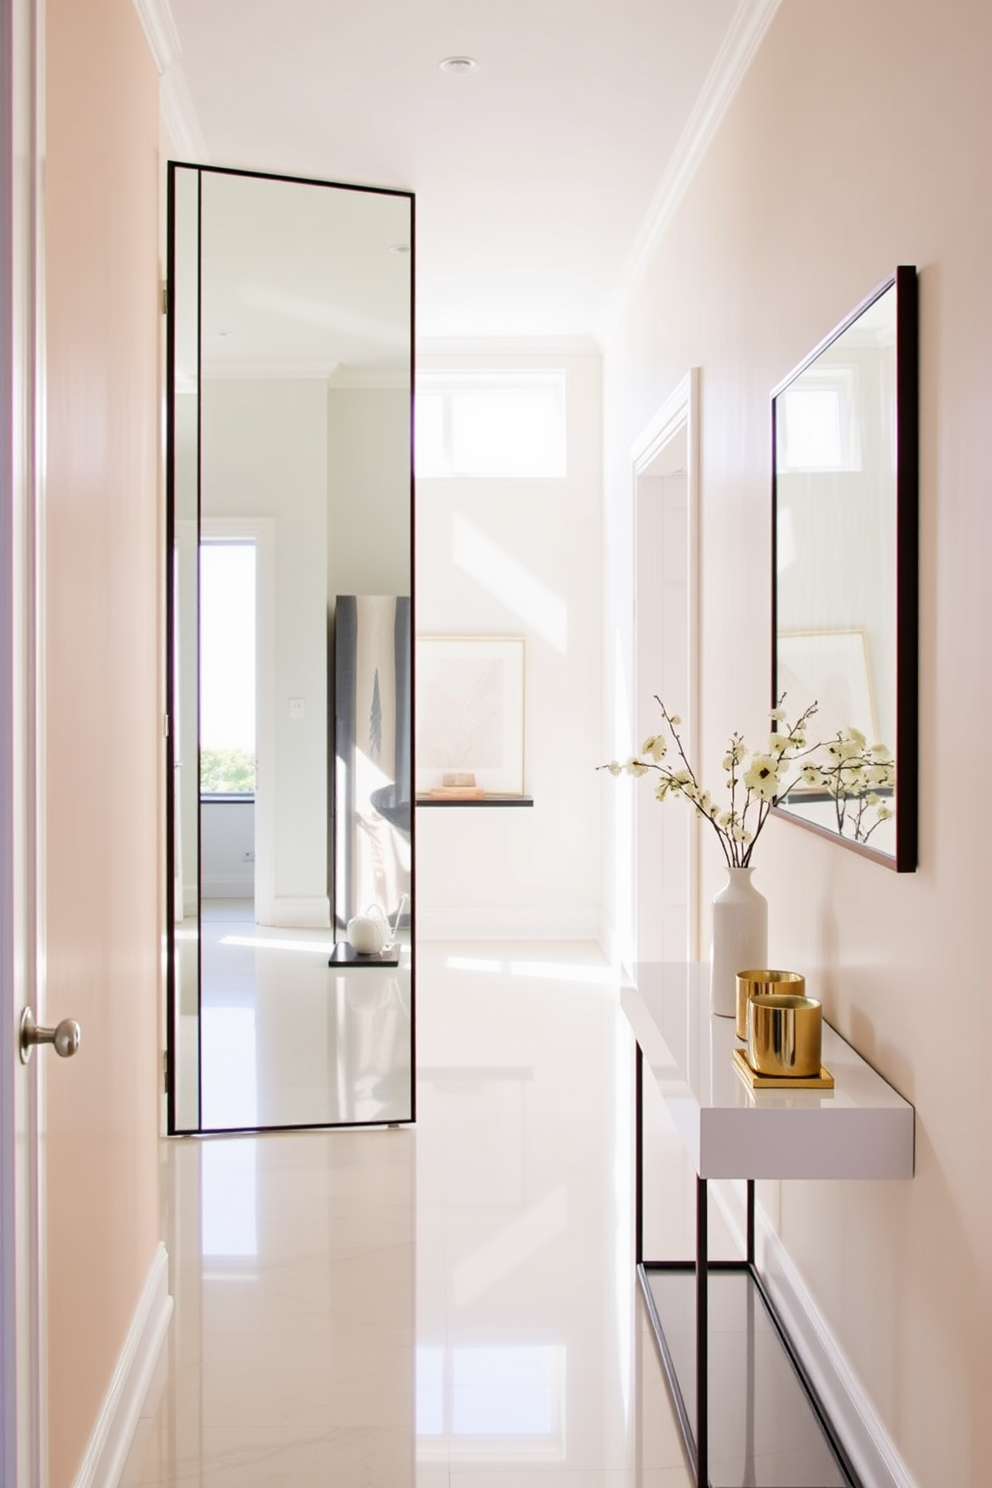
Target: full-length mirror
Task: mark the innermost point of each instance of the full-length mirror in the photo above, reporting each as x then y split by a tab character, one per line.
844	429
290	711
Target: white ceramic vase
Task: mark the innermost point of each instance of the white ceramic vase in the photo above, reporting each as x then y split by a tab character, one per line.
740	938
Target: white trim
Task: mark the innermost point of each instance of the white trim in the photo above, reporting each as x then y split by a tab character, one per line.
679	411
336	374
745	34
23	1373
508	924
851	1413
345	376
179	116
229	885
174	99
159	26
108	1446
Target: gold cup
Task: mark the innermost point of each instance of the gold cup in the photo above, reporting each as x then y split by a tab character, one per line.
765	984
784	1035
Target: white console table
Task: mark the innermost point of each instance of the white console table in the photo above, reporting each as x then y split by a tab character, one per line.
860	1129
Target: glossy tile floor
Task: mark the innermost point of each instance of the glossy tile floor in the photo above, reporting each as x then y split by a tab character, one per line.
451	1305
281	1038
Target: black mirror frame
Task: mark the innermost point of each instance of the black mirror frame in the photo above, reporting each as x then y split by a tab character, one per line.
904	860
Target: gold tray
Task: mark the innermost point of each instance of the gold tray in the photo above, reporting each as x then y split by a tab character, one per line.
823	1081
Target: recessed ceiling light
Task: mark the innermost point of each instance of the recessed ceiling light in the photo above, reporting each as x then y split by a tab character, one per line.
459	64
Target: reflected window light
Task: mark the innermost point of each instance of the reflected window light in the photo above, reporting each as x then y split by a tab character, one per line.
500	1402
556	971
227	667
817	423
430	1391
508	425
265	943
228	1198
230	1074
507	1391
510	582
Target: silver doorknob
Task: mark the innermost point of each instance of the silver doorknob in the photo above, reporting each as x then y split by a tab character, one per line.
65	1037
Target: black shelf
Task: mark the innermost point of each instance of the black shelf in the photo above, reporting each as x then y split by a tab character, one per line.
765	1425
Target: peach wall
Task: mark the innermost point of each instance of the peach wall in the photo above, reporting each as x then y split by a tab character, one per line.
858	140
102	701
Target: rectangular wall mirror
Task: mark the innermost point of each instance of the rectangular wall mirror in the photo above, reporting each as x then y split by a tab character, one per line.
845	573
289	473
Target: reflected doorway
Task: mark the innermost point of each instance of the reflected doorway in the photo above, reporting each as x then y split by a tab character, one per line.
290	361
665	646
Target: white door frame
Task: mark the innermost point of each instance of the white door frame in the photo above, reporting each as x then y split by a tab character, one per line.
679	412
23	1426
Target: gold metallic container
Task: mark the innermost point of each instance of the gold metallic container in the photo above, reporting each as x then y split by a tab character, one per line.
764	984
784	1035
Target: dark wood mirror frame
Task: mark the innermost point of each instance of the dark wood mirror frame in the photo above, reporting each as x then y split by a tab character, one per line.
905	621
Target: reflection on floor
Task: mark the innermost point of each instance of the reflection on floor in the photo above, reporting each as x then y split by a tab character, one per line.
288	1041
449	1304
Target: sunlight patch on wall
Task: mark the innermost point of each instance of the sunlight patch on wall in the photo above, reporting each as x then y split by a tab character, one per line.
536	606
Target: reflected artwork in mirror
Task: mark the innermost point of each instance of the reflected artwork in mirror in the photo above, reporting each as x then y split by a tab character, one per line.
289	480
845	574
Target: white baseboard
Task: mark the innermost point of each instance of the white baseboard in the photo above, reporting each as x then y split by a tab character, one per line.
106	1453
229	885
871	1449
310	912
508	924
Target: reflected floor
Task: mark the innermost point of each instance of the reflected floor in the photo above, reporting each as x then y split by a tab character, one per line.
286	1040
450	1305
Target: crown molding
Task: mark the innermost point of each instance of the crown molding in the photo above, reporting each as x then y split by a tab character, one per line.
365	380
174	100
159	27
744	36
179	116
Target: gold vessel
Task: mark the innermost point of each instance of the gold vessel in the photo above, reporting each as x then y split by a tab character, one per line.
784	1035
764	984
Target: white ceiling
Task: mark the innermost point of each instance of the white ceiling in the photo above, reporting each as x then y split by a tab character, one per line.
540	179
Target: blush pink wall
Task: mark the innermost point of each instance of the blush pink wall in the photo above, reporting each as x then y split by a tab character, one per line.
102	695
858	140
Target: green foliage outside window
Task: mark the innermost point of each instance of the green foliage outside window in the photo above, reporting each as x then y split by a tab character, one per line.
227	772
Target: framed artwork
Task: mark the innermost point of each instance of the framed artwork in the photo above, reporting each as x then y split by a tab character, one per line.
831	666
470	711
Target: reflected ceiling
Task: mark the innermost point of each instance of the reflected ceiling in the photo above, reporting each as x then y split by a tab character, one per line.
533	175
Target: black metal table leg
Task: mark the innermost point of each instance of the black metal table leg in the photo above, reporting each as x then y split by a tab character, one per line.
639	1158
702	1336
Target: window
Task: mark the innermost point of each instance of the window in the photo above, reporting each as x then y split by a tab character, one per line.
818	423
227	669
490	424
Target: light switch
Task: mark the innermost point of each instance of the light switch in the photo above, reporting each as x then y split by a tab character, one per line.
296	709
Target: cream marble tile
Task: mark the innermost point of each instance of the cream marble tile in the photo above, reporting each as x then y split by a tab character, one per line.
516	1477
253	1457
470	1277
